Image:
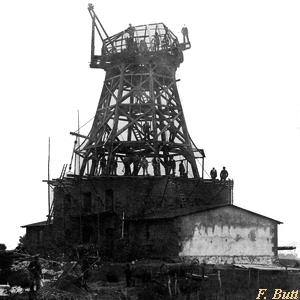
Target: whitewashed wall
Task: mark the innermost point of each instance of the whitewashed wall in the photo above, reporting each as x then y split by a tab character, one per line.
228	234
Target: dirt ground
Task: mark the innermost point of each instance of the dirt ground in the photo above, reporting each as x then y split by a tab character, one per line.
108	283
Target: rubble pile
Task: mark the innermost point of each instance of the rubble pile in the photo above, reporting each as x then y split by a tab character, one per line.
14	270
50	293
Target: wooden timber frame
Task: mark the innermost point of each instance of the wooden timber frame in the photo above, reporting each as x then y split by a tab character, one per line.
139	111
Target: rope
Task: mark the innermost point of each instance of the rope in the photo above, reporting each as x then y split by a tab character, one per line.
85	124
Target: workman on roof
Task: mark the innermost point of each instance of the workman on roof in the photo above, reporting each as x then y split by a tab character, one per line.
185	33
213	174
224	174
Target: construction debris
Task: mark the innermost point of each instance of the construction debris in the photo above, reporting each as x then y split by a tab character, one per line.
52	293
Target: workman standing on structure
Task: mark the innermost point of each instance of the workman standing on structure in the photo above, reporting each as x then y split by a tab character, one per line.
144	165
224	174
130	38
146	130
181	169
156	41
103	165
136	164
130	31
172	166
165	42
126	162
35	273
156	166
185	33
113	166
213	174
143	46
172	130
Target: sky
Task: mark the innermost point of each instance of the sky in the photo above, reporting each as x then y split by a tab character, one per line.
239	88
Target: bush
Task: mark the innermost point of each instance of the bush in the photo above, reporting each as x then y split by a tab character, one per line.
2	247
6	261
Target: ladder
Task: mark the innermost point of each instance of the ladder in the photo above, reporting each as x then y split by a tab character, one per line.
136	133
180	192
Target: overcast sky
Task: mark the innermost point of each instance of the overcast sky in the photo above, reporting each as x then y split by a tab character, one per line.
239	87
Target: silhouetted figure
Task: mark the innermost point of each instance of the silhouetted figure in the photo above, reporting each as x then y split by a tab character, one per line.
136	164
146	129
213	174
172	166
129	38
181	169
144	165
143	46
224	174
94	164
35	272
185	33
156	166
103	165
127	162
114	166
130	31
156	41
172	130
165	42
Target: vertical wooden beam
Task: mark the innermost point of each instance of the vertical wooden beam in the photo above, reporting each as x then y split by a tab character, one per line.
93	39
154	124
119	96
48	177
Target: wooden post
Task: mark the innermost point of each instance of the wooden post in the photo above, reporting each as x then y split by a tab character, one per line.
123	220
98	231
249	277
48	177
169	286
75	155
78	142
219	279
80	224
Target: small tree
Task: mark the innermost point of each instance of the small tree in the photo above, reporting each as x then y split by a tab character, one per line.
2	247
22	241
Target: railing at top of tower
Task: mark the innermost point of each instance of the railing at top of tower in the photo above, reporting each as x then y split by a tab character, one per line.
142	39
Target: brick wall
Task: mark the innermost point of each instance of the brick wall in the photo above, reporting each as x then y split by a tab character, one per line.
92	210
137	195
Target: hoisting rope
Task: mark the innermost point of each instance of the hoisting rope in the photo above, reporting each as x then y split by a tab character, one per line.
85	124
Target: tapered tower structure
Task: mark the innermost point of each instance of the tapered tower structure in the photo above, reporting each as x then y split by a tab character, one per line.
139	111
139	121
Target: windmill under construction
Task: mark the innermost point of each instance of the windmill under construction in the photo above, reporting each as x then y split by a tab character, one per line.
138	169
139	114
